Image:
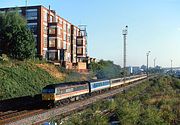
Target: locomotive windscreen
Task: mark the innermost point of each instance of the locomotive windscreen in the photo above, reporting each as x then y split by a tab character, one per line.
48	90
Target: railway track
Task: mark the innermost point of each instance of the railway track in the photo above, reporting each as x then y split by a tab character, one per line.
37	116
17	108
6	119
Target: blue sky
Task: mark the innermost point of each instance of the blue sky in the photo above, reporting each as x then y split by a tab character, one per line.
153	25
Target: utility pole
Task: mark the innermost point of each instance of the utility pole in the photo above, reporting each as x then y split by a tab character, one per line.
124	32
147	61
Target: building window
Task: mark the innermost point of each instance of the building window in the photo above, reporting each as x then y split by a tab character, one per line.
64	27
52	42
74	42
75	32
45	54
68	57
56	19
35	40
51	18
58	43
52	55
74	49
64	37
79	50
52	30
64	45
36	51
32	27
69	48
60	21
45	30
59	31
69	29
79	42
31	14
45	42
45	16
69	39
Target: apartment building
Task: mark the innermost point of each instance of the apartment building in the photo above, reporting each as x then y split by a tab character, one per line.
56	39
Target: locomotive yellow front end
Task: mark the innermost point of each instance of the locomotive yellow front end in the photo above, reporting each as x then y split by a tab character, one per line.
47	96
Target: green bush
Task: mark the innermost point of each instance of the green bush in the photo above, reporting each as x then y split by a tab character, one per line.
105	69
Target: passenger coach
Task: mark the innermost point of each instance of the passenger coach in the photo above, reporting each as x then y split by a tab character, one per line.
98	86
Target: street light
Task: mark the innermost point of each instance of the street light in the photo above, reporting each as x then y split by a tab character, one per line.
124	33
154	62
147	61
171	66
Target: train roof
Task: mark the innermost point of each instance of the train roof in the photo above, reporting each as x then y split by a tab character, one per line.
98	80
66	84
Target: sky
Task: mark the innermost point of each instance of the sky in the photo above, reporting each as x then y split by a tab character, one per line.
153	25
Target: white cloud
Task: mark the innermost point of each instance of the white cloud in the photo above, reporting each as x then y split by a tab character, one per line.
178	29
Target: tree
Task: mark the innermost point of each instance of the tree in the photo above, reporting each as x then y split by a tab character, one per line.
15	38
105	69
23	45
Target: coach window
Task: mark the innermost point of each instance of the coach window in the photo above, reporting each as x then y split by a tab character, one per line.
69	90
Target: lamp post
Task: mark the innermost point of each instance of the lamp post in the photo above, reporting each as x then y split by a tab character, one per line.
154	62
147	54
171	67
124	32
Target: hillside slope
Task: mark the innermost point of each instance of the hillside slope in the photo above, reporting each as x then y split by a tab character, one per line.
23	79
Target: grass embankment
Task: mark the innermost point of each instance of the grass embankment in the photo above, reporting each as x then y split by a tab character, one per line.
28	78
156	102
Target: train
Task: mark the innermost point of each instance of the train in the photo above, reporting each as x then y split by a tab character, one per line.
64	93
